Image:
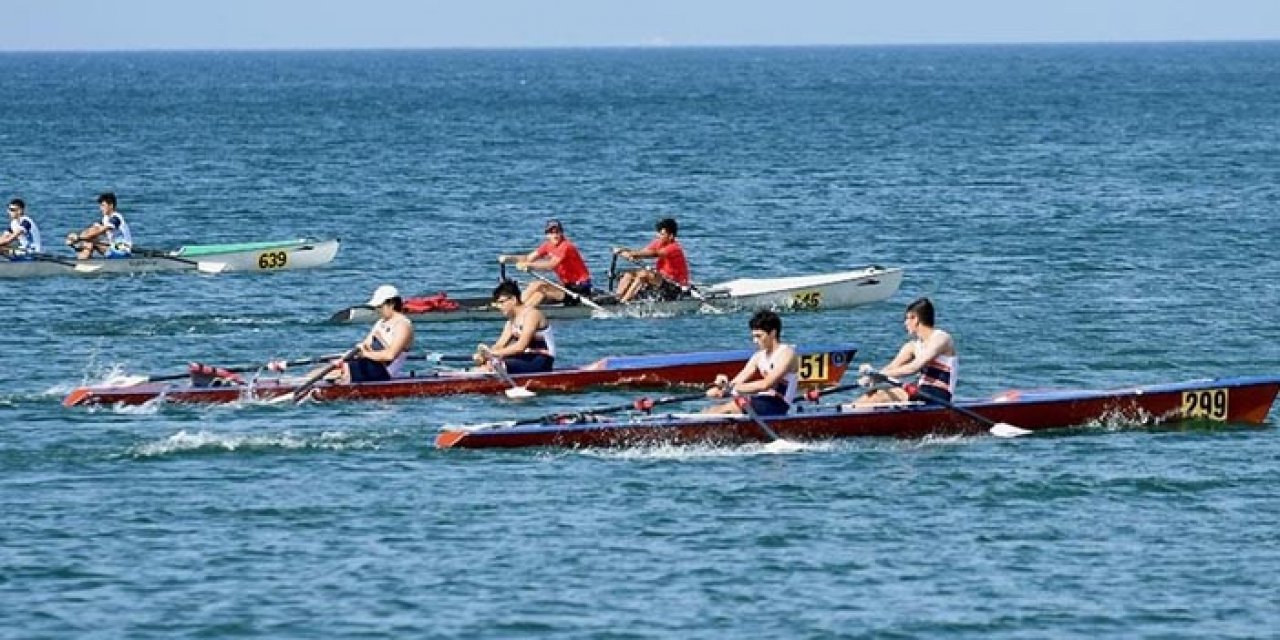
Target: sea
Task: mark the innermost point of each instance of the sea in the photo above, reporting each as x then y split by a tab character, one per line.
1082	216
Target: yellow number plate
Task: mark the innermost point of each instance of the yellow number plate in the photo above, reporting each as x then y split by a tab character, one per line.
273	260
815	368
1207	404
806	299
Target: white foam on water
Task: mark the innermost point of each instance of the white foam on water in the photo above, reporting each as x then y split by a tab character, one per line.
707	451
208	441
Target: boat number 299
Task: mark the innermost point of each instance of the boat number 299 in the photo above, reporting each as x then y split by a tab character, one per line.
273	260
1209	404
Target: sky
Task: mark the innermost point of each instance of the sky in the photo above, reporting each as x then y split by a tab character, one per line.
42	25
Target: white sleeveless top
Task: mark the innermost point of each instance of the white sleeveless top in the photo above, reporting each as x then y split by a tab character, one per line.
118	234
940	372
543	341
382	332
28	235
786	387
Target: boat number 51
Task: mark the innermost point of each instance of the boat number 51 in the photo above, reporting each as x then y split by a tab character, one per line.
273	260
815	367
1210	404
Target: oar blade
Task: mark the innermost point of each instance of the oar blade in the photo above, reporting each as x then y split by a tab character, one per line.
211	267
1006	430
519	393
82	267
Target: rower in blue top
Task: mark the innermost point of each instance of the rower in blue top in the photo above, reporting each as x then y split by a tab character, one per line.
770	376
22	240
109	237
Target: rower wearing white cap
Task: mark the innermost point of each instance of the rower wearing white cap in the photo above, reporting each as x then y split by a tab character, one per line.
382	353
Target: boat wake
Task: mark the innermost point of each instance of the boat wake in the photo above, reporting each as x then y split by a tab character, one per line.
207	442
708	452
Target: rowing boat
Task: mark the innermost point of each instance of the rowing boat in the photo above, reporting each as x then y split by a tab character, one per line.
834	290
820	365
1240	400
209	258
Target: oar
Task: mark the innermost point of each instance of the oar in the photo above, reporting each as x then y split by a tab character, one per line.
579	297
301	392
201	265
278	366
499	366
639	404
82	267
998	429
693	290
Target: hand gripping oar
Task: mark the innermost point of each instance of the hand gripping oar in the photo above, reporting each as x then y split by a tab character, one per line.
998	429
499	366
201	265
301	392
576	296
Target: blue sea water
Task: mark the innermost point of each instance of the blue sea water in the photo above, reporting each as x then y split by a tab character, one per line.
1084	216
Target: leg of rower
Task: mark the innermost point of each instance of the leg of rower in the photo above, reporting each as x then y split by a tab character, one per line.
534	295
624	283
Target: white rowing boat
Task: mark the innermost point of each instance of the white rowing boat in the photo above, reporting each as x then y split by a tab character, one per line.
835	290
209	258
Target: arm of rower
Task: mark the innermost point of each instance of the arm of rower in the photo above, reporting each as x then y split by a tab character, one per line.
92	231
932	348
400	339
897	367
774	376
503	338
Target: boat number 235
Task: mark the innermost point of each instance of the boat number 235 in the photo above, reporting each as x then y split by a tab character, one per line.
1209	404
273	260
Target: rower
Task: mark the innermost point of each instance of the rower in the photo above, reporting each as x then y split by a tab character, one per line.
556	254
23	237
930	352
775	369
382	353
109	237
527	343
670	278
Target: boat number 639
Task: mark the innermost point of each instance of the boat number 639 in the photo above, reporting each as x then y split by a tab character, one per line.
1209	404
273	260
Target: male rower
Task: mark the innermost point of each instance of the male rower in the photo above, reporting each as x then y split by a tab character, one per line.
23	237
109	237
381	355
560	255
670	277
930	352
770	376
527	344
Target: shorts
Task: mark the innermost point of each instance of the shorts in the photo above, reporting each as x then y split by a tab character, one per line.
769	405
581	288
366	370
118	252
667	290
528	363
924	394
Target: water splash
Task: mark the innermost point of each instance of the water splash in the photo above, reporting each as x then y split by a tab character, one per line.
184	442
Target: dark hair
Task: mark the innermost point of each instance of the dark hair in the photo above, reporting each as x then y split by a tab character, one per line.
669	224
396	303
507	288
553	224
17	202
923	310
766	321
107	197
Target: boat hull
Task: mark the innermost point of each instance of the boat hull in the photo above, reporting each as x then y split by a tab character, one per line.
259	256
1228	400
823	291
820	365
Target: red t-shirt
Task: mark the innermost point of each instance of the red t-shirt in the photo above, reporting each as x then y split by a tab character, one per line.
671	262
571	270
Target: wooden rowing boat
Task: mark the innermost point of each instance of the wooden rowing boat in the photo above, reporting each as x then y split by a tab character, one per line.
820	291
820	365
210	258
1241	400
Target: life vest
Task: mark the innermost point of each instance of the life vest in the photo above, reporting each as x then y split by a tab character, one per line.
427	304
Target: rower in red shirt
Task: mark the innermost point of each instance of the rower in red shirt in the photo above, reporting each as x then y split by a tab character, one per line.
560	255
671	279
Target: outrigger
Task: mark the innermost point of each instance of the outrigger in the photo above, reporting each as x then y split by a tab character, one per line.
1239	400
820	365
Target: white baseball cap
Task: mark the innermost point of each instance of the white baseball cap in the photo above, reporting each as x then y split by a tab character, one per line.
383	294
